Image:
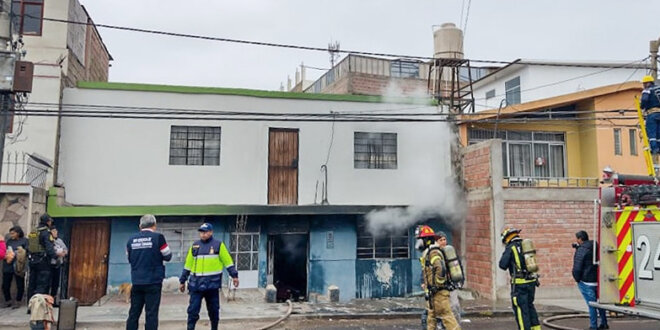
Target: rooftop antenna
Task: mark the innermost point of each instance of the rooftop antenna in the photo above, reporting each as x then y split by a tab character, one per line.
333	49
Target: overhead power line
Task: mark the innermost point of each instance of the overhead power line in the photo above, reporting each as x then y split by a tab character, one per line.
302	47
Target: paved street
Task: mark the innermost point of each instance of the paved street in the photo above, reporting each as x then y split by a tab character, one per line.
410	324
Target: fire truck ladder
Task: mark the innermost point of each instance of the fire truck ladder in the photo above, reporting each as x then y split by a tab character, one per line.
650	166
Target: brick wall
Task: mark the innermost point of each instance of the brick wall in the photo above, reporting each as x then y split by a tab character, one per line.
97	57
478	251
552	226
366	84
340	86
96	64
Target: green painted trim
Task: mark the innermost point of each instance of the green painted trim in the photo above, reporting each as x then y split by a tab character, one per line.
249	92
59	211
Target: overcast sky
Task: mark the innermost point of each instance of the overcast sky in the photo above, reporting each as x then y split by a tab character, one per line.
496	29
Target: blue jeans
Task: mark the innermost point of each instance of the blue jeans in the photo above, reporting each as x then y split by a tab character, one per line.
589	294
212	298
653	131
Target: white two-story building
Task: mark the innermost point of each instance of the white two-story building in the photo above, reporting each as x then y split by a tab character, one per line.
524	81
285	178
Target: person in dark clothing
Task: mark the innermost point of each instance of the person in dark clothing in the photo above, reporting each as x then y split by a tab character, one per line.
585	273
146	251
40	251
205	261
15	240
523	282
650	104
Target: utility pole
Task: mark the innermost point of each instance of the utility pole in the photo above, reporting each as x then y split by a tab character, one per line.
5	95
654	45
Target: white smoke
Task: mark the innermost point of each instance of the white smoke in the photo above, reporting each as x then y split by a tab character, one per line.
397	91
447	203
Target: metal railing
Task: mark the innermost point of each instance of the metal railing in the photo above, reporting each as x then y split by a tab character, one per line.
21	168
550	182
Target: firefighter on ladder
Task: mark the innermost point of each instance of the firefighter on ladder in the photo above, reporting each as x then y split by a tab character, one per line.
650	104
523	281
436	281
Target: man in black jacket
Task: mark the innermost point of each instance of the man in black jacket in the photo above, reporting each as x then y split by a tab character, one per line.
40	252
523	282
585	273
146	251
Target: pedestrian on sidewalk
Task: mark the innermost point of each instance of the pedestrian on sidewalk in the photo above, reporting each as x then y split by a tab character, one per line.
56	264
146	251
40	251
205	261
523	281
13	267
585	273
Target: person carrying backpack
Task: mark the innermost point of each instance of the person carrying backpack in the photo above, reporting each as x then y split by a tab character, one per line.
40	251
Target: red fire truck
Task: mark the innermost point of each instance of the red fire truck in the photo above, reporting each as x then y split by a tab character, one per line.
627	217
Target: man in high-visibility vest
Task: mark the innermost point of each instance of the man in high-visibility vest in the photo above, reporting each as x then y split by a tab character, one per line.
650	104
203	270
523	282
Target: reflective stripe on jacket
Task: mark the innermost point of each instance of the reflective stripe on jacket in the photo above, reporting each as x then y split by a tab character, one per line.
513	261
204	264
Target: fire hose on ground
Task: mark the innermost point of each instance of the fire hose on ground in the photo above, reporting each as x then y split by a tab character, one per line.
547	322
281	319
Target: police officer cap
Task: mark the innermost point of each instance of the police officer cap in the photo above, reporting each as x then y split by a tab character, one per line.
440	233
205	227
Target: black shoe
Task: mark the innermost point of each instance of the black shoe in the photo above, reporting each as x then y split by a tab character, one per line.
603	326
7	304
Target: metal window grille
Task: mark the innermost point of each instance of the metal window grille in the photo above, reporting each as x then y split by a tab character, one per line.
244	249
375	150
23	168
404	69
384	247
195	145
617	141
180	237
632	134
522	149
512	88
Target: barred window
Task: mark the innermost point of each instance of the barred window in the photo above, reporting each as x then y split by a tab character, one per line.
383	247
194	145
527	153
375	150
179	237
244	249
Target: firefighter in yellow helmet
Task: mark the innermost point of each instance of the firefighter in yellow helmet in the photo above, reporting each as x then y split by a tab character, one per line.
523	281
435	279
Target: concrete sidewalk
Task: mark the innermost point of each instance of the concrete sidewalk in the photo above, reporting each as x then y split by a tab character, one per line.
249	305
